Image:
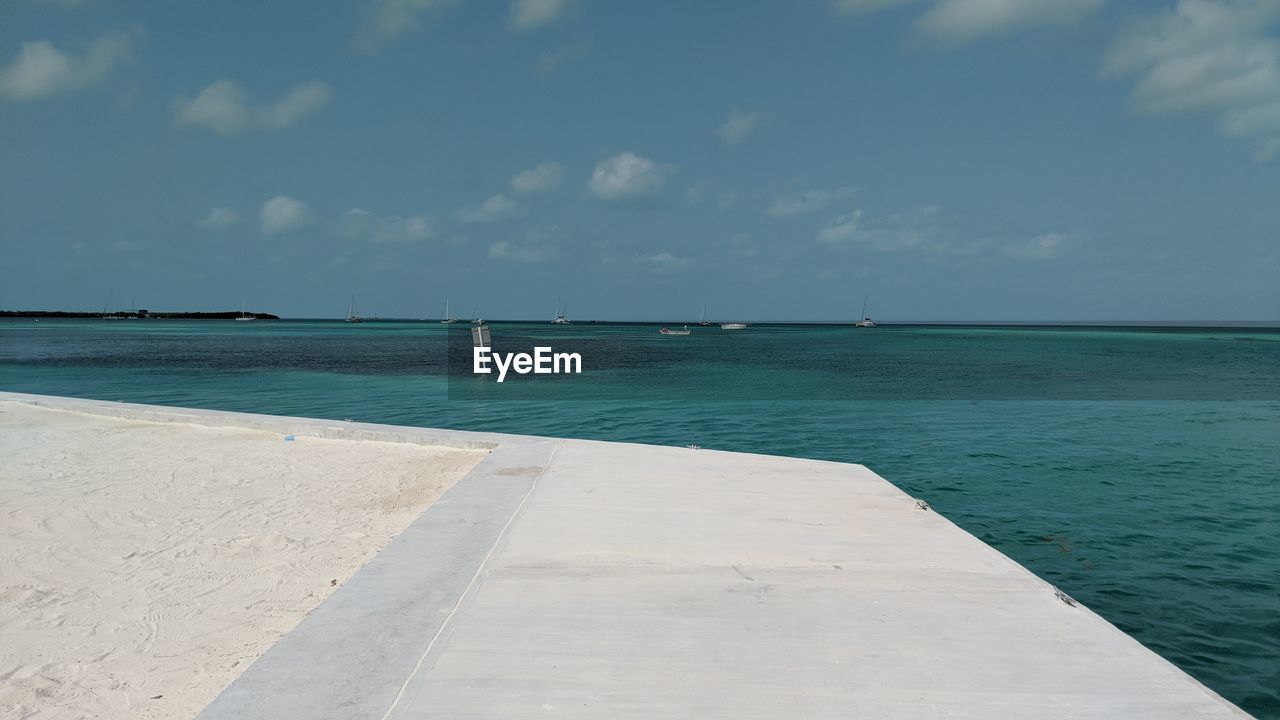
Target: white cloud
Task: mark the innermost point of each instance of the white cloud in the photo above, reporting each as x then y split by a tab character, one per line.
808	201
386	20
360	223
666	262
355	222
960	21
1041	247
739	125
1188	28
395	229
40	69
532	14
282	214
491	210
223	108
523	253
1208	56
840	230
662	262
297	104
893	233
542	178
1251	120
864	7
627	176
220	217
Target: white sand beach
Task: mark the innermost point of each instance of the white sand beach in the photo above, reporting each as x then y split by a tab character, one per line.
143	566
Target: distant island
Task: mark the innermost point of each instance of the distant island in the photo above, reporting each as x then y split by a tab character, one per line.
136	314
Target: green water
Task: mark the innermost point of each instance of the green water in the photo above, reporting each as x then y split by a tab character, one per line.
1136	468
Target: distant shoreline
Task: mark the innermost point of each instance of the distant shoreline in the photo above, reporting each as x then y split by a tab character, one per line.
138	314
1267	325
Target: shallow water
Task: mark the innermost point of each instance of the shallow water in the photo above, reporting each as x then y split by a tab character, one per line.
1137	469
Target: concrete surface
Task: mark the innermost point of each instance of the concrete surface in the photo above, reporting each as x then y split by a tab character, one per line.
566	578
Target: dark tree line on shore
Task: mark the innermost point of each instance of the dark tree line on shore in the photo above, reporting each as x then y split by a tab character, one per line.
140	314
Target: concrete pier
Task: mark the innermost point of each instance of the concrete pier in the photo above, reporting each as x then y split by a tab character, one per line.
568	578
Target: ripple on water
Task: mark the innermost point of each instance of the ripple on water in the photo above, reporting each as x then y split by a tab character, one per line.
1161	515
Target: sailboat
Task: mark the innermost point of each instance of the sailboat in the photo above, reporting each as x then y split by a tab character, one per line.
702	319
865	322
105	314
447	319
352	315
475	315
560	318
243	317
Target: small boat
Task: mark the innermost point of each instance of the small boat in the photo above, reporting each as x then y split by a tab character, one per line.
352	315
865	322
702	319
669	331
475	315
243	316
560	318
733	326
447	319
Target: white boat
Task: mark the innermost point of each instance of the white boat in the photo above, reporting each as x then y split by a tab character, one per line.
244	317
560	318
733	326
702	319
669	331
352	315
447	319
475	315
865	322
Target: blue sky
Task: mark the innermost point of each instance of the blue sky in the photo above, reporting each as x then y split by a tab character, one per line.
950	159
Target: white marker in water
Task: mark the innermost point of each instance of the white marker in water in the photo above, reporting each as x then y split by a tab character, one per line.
542	362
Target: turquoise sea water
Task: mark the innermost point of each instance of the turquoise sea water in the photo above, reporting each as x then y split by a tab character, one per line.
1136	468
